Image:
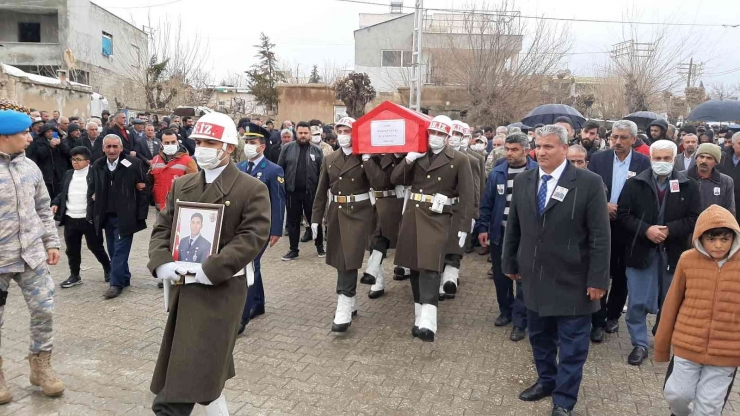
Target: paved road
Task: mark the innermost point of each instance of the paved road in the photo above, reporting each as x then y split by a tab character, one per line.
289	363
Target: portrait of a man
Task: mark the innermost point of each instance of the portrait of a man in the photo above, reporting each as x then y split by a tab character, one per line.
195	248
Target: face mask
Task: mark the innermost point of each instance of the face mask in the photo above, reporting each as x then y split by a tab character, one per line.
344	140
315	139
662	168
436	142
464	143
250	151
454	142
479	147
169	149
291	128
208	158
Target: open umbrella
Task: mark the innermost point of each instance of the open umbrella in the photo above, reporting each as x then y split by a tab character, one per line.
546	114
716	110
643	118
518	124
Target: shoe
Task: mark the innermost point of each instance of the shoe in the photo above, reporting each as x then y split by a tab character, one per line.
425	335
484	251
343	315
490	273
401	273
321	253
42	375
560	411
255	312
612	326
72	280
502	320
637	356
112	292
597	335
307	236
534	393
415	331
5	395
468	249
106	275
517	334
242	327
290	255
160	285
373	268
367	279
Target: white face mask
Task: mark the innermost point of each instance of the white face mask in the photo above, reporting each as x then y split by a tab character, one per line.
454	142
207	157
436	142
170	149
316	139
479	147
464	143
344	140
662	168
250	151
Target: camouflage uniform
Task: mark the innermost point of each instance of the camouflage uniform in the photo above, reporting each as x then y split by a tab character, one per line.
27	230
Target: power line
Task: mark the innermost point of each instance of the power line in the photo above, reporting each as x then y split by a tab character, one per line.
560	19
143	7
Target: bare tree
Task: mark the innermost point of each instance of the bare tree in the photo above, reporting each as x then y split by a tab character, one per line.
722	91
501	62
330	72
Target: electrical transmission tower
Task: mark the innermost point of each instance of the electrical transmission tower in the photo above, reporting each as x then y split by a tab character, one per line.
416	80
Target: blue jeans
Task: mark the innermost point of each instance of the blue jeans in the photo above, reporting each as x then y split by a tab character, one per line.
119	247
256	292
647	289
561	376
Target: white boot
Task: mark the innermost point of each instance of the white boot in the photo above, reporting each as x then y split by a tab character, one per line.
428	322
417	319
373	268
442	294
378	289
218	407
449	281
343	315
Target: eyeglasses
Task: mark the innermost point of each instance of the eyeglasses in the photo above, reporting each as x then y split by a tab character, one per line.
78	160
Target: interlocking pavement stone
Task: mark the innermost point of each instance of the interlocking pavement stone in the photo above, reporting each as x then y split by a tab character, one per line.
289	362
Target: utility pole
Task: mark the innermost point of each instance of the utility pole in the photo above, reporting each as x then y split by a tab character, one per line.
691	71
416	80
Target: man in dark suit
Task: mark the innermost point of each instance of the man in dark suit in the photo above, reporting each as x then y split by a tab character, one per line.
273	176
557	242
195	248
615	166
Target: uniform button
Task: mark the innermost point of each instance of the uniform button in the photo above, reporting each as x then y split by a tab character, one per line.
352	207
417	205
340	192
421	190
340	207
439	179
353	179
452	166
340	178
428	176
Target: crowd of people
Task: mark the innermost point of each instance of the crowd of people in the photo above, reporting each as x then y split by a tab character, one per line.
580	224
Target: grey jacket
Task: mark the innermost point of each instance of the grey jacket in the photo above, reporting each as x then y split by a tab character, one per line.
679	165
719	189
289	162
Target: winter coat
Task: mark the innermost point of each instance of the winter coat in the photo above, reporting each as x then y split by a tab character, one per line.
53	161
289	162
132	204
727	166
196	355
388	209
423	235
663	128
638	210
477	169
699	314
719	189
163	172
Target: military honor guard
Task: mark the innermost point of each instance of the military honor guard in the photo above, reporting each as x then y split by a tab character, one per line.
272	175
441	184
196	355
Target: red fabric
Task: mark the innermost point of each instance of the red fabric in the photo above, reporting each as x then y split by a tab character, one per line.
661	195
644	149
165	175
125	134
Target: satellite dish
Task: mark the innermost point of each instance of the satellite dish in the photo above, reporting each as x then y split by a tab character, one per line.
69	59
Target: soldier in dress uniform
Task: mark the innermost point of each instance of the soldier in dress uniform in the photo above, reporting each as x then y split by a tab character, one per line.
441	184
388	209
469	146
273	176
349	218
195	248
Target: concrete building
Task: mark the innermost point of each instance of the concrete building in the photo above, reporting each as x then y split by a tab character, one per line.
232	100
95	46
384	42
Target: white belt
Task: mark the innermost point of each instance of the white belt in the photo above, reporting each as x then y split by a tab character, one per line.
430	199
343	199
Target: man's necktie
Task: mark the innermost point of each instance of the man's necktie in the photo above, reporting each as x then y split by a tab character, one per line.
542	194
250	165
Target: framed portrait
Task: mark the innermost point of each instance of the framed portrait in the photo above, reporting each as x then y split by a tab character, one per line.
197	230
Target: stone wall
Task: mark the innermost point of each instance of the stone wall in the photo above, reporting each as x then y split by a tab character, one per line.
70	100
303	102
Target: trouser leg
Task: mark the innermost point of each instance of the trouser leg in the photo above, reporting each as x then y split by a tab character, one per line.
618	291
95	245
381	244
73	233
347	283
504	286
543	332
598	318
665	279
120	275
643	288
255	293
429	287
519	310
162	408
713	389
307	210
453	260
414	277
681	381
573	333
294	208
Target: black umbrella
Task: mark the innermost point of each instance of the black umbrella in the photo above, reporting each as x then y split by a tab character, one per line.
546	114
518	124
643	118
716	110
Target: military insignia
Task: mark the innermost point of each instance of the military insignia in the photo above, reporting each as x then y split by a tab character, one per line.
281	180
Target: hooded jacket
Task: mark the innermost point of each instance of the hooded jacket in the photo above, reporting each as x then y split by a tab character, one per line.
663	129
699	314
165	169
53	161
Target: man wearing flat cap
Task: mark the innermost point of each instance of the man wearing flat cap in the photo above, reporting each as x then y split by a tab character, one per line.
714	187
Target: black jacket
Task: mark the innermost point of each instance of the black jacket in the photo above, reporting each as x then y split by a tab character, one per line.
132	205
638	210
61	199
53	161
289	162
273	155
727	166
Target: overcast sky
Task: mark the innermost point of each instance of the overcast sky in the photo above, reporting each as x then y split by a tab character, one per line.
309	32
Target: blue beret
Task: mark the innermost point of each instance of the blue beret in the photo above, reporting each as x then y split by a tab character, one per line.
12	122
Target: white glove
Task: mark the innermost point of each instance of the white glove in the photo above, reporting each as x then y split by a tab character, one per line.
314	230
201	277
412	156
472	226
167	272
365	157
462	236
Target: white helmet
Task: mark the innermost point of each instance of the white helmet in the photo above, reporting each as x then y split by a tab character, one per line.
216	126
458	127
345	121
466	130
442	124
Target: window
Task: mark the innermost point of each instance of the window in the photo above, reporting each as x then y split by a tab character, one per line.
137	56
396	58
29	32
107	44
